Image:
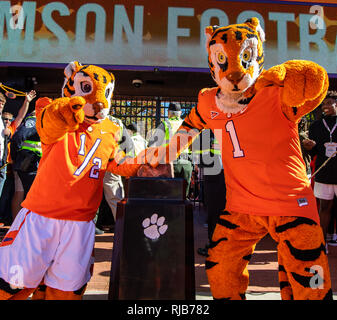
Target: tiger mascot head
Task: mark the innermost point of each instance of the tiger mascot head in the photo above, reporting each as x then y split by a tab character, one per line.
235	58
94	84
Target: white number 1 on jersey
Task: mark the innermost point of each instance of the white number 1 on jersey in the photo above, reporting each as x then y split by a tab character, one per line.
237	152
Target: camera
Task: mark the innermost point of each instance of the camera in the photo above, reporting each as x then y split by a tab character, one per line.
137	83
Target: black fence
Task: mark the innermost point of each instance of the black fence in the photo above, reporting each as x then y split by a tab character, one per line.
147	112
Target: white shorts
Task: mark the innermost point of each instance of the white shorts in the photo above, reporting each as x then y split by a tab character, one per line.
325	191
39	248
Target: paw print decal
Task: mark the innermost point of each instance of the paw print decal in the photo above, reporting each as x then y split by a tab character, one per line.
154	227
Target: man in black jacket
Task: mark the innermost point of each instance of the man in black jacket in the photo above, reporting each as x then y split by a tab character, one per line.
322	142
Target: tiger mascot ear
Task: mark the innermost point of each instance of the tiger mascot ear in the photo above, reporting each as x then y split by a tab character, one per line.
71	68
112	77
254	23
208	33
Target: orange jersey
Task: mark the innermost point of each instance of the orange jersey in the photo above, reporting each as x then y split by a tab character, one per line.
12	129
69	180
263	165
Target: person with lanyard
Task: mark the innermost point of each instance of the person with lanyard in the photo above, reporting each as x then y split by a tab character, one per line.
161	137
26	154
322	142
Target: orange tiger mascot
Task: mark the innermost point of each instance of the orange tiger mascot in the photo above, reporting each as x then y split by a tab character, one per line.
254	115
52	238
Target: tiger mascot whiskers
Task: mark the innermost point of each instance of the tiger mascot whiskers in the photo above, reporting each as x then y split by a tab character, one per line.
254	115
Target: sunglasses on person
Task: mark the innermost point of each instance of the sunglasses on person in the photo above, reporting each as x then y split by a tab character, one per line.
8	119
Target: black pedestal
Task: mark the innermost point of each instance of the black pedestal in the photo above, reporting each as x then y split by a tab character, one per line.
153	252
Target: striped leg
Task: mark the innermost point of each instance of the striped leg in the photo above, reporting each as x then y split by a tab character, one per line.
285	287
8	293
55	294
40	292
233	243
303	265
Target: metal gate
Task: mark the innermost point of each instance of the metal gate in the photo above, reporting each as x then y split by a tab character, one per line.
147	112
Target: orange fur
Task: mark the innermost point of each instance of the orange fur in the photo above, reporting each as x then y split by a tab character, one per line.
304	83
234	241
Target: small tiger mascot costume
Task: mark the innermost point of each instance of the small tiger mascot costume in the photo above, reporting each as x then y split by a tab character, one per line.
254	116
51	240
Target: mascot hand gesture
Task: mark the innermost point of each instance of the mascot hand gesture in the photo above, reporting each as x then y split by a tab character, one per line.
304	86
64	115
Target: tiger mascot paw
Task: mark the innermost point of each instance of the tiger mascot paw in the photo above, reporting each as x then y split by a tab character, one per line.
70	111
301	80
162	170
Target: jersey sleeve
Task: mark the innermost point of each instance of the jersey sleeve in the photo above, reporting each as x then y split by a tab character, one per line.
123	165
194	119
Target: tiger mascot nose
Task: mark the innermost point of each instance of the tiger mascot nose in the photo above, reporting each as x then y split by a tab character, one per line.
98	106
235	77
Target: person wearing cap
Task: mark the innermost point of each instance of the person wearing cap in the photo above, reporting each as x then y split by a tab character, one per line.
161	137
138	141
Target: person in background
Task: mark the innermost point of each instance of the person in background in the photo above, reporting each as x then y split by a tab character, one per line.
10	124
161	137
26	154
322	143
207	153
113	188
138	141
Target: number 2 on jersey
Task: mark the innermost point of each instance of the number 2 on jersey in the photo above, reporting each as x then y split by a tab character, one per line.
230	128
94	172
